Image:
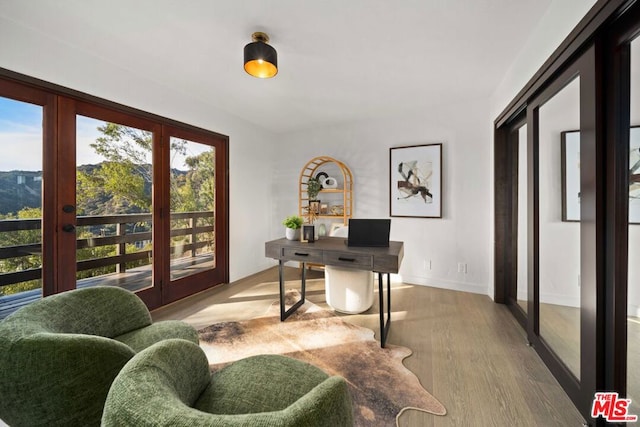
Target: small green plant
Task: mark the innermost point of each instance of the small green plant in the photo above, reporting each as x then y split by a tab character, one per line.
294	222
313	188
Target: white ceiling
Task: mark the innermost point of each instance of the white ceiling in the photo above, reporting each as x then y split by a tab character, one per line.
339	60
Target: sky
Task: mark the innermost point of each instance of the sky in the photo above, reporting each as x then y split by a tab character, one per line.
21	138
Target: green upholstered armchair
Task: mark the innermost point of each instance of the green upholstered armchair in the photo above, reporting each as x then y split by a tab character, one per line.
59	355
169	384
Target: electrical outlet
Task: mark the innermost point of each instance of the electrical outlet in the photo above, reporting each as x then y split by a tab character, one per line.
579	280
426	264
462	267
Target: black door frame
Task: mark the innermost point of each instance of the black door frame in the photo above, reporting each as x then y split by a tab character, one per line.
608	29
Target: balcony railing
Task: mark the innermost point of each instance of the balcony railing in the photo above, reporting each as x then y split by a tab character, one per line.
193	230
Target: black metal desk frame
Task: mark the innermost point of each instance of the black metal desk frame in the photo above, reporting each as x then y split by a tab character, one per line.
332	251
286	313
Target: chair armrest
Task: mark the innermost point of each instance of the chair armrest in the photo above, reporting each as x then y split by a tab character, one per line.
157	386
328	404
108	311
145	337
67	388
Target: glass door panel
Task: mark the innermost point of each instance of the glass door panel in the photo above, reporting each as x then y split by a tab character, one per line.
21	180
633	278
193	201
522	280
114	223
559	227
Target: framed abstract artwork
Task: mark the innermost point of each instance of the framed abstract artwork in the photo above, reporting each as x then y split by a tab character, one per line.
415	181
570	155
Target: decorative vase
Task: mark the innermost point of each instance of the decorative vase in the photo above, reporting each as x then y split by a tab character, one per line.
322	230
292	234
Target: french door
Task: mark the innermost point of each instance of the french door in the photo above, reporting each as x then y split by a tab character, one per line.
28	178
108	198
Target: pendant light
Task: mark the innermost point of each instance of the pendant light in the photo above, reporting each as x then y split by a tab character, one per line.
260	59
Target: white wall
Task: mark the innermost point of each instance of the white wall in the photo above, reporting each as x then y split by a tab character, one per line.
251	149
462	235
465	233
556	24
559	240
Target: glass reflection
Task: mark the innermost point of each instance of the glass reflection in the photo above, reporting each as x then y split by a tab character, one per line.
523	267
559	250
633	295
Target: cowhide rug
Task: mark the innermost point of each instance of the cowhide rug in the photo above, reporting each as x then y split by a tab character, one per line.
381	387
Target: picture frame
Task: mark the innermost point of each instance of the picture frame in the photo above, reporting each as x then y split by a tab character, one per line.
415	181
308	234
335	227
570	171
634	175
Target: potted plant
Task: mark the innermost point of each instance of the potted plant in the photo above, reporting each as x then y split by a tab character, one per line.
313	188
293	224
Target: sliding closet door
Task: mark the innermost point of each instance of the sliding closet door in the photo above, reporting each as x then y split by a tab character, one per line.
563	229
623	209
516	182
633	278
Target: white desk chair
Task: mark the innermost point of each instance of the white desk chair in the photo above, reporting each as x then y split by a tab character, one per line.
347	290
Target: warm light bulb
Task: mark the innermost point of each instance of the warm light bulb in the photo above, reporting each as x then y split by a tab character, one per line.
260	59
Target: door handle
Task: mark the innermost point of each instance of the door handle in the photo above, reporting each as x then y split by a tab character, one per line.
69	228
68	209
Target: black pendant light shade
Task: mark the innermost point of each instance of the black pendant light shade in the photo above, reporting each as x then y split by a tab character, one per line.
260	59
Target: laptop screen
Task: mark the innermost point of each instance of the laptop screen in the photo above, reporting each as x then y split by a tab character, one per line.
369	232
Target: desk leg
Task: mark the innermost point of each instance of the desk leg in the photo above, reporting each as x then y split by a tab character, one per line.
286	313
384	326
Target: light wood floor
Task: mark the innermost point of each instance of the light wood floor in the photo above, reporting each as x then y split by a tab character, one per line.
560	328
469	352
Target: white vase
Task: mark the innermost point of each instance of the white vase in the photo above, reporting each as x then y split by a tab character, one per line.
292	234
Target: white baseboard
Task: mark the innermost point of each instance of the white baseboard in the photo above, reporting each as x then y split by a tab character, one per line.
568	301
633	310
446	284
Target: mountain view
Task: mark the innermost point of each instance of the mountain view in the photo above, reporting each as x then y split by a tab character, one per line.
18	190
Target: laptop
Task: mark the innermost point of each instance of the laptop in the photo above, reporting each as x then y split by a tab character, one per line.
369	232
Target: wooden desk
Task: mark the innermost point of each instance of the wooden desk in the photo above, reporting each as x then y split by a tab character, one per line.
334	251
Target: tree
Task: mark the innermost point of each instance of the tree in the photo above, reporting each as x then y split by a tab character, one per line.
121	183
26	262
197	192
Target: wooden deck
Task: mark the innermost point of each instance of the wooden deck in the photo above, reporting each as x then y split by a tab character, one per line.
133	279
